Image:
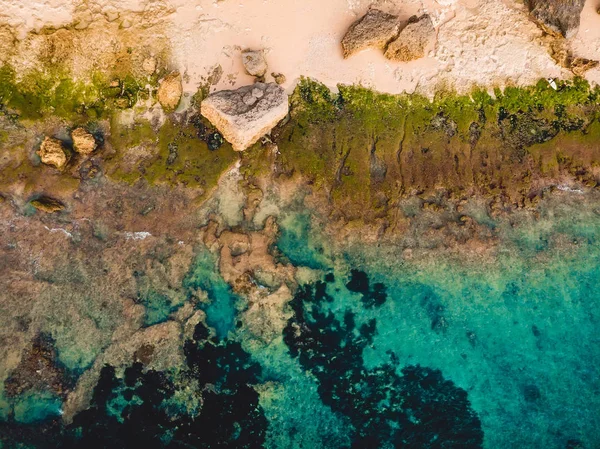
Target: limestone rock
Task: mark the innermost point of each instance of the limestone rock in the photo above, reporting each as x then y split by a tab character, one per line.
557	17
246	114
374	30
83	141
170	91
412	40
254	62
53	153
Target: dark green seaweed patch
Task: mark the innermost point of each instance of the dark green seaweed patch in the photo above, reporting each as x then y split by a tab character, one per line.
140	408
415	409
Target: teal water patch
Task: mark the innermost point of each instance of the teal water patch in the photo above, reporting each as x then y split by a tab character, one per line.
158	307
300	243
222	308
32	407
297	416
520	336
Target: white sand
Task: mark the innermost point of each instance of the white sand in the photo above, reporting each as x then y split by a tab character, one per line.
483	42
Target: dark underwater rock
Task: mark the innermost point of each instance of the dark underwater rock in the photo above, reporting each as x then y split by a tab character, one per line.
415	409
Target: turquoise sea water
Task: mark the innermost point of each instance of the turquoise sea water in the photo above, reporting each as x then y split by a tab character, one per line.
519	333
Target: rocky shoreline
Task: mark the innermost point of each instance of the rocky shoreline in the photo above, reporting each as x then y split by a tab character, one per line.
150	233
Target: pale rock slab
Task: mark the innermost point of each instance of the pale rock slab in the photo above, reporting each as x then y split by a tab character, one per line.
246	114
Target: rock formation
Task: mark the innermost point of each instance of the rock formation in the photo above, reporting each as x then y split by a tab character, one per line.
557	17
374	30
246	114
83	141
254	62
170	91
52	152
412	40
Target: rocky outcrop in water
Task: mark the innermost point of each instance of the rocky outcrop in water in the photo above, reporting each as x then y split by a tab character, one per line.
557	17
413	40
374	30
52	152
170	91
246	114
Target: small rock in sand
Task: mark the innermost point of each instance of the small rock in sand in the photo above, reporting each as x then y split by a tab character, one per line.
374	30
53	153
278	77
149	65
170	91
83	141
254	62
560	18
246	114
413	40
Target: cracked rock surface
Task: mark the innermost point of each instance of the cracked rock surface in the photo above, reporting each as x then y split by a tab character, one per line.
246	114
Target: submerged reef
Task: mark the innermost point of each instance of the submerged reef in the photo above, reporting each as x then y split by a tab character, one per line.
418	408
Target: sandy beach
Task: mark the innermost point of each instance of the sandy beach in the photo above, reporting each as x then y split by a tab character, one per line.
478	42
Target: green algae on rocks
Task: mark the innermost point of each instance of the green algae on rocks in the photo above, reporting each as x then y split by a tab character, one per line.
369	149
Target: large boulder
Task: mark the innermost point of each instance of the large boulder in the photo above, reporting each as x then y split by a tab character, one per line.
559	18
374	30
254	62
246	114
412	40
52	152
170	91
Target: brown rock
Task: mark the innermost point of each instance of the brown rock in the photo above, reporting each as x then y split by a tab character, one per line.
581	65
374	30
412	40
170	91
564	57
559	18
53	153
278	77
83	141
47	204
